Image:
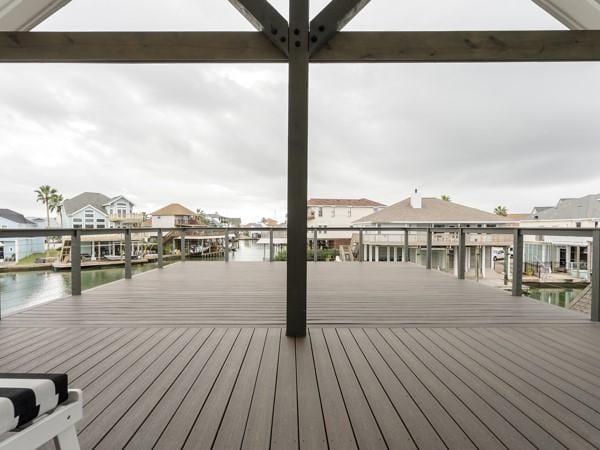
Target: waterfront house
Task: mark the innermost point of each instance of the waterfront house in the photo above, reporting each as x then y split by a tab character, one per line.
96	210
326	213
173	215
570	254
15	249
417	211
218	220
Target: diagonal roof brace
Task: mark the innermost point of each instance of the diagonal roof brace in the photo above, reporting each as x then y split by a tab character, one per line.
332	19
265	18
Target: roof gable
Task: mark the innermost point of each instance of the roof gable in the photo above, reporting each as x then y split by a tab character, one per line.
14	216
174	209
434	210
349	202
77	203
587	207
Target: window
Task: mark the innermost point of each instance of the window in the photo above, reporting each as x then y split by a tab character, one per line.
77	219
320	212
578	224
100	226
349	212
100	220
76	226
332	212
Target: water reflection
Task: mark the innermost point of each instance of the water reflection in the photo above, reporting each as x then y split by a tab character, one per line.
554	296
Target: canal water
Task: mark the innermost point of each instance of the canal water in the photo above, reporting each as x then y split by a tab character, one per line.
554	296
22	289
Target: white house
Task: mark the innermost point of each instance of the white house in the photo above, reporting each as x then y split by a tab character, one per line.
96	210
569	254
173	215
337	212
428	212
15	249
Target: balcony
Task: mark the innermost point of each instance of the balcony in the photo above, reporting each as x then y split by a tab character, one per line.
194	355
127	218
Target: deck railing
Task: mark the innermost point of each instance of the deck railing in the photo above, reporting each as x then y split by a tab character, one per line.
461	238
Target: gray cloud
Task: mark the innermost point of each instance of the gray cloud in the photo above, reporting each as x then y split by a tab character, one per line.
214	136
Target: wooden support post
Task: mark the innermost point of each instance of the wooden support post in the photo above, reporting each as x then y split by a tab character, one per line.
127	254
517	281
226	248
429	248
271	247
182	256
462	254
297	167
361	250
76	262
506	261
405	251
595	268
159	248
315	246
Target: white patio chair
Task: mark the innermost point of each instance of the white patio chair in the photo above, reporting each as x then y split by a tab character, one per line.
36	408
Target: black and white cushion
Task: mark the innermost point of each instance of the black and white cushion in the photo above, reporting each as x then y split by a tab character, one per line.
25	396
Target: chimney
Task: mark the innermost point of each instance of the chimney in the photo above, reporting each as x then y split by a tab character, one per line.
415	200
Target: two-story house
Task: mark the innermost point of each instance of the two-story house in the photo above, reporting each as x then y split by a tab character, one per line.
15	249
327	213
428	212
571	254
96	210
173	215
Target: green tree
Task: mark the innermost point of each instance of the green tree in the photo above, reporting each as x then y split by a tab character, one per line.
55	202
46	194
446	198
501	211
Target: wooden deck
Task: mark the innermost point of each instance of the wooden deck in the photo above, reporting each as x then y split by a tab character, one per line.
193	356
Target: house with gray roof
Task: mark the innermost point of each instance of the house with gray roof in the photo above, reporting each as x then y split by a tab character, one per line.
15	249
96	210
429	212
568	254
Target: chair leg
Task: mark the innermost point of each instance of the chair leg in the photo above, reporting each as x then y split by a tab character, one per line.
67	440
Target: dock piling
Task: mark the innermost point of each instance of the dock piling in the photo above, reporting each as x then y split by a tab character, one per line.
76	262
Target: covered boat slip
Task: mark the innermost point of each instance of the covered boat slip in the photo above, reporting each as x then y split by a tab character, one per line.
195	355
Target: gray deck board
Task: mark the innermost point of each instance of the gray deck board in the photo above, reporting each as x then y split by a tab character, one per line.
195	356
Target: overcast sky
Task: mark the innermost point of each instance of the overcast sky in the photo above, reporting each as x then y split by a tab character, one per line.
214	136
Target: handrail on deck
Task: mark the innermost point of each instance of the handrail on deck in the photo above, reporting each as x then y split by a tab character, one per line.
312	234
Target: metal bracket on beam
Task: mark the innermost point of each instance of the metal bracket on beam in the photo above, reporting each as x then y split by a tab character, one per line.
332	19
267	19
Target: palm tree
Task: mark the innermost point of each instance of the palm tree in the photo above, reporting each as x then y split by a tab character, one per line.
45	194
446	198
55	203
501	211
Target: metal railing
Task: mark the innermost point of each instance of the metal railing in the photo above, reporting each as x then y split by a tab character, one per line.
314	235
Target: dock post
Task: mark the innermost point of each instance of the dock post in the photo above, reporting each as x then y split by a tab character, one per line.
271	246
182	245
159	248
462	254
506	261
76	262
406	250
361	250
315	246
596	276
517	281
429	248
127	254
226	239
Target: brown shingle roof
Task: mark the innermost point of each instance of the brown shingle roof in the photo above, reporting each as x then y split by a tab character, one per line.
356	202
434	210
174	209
